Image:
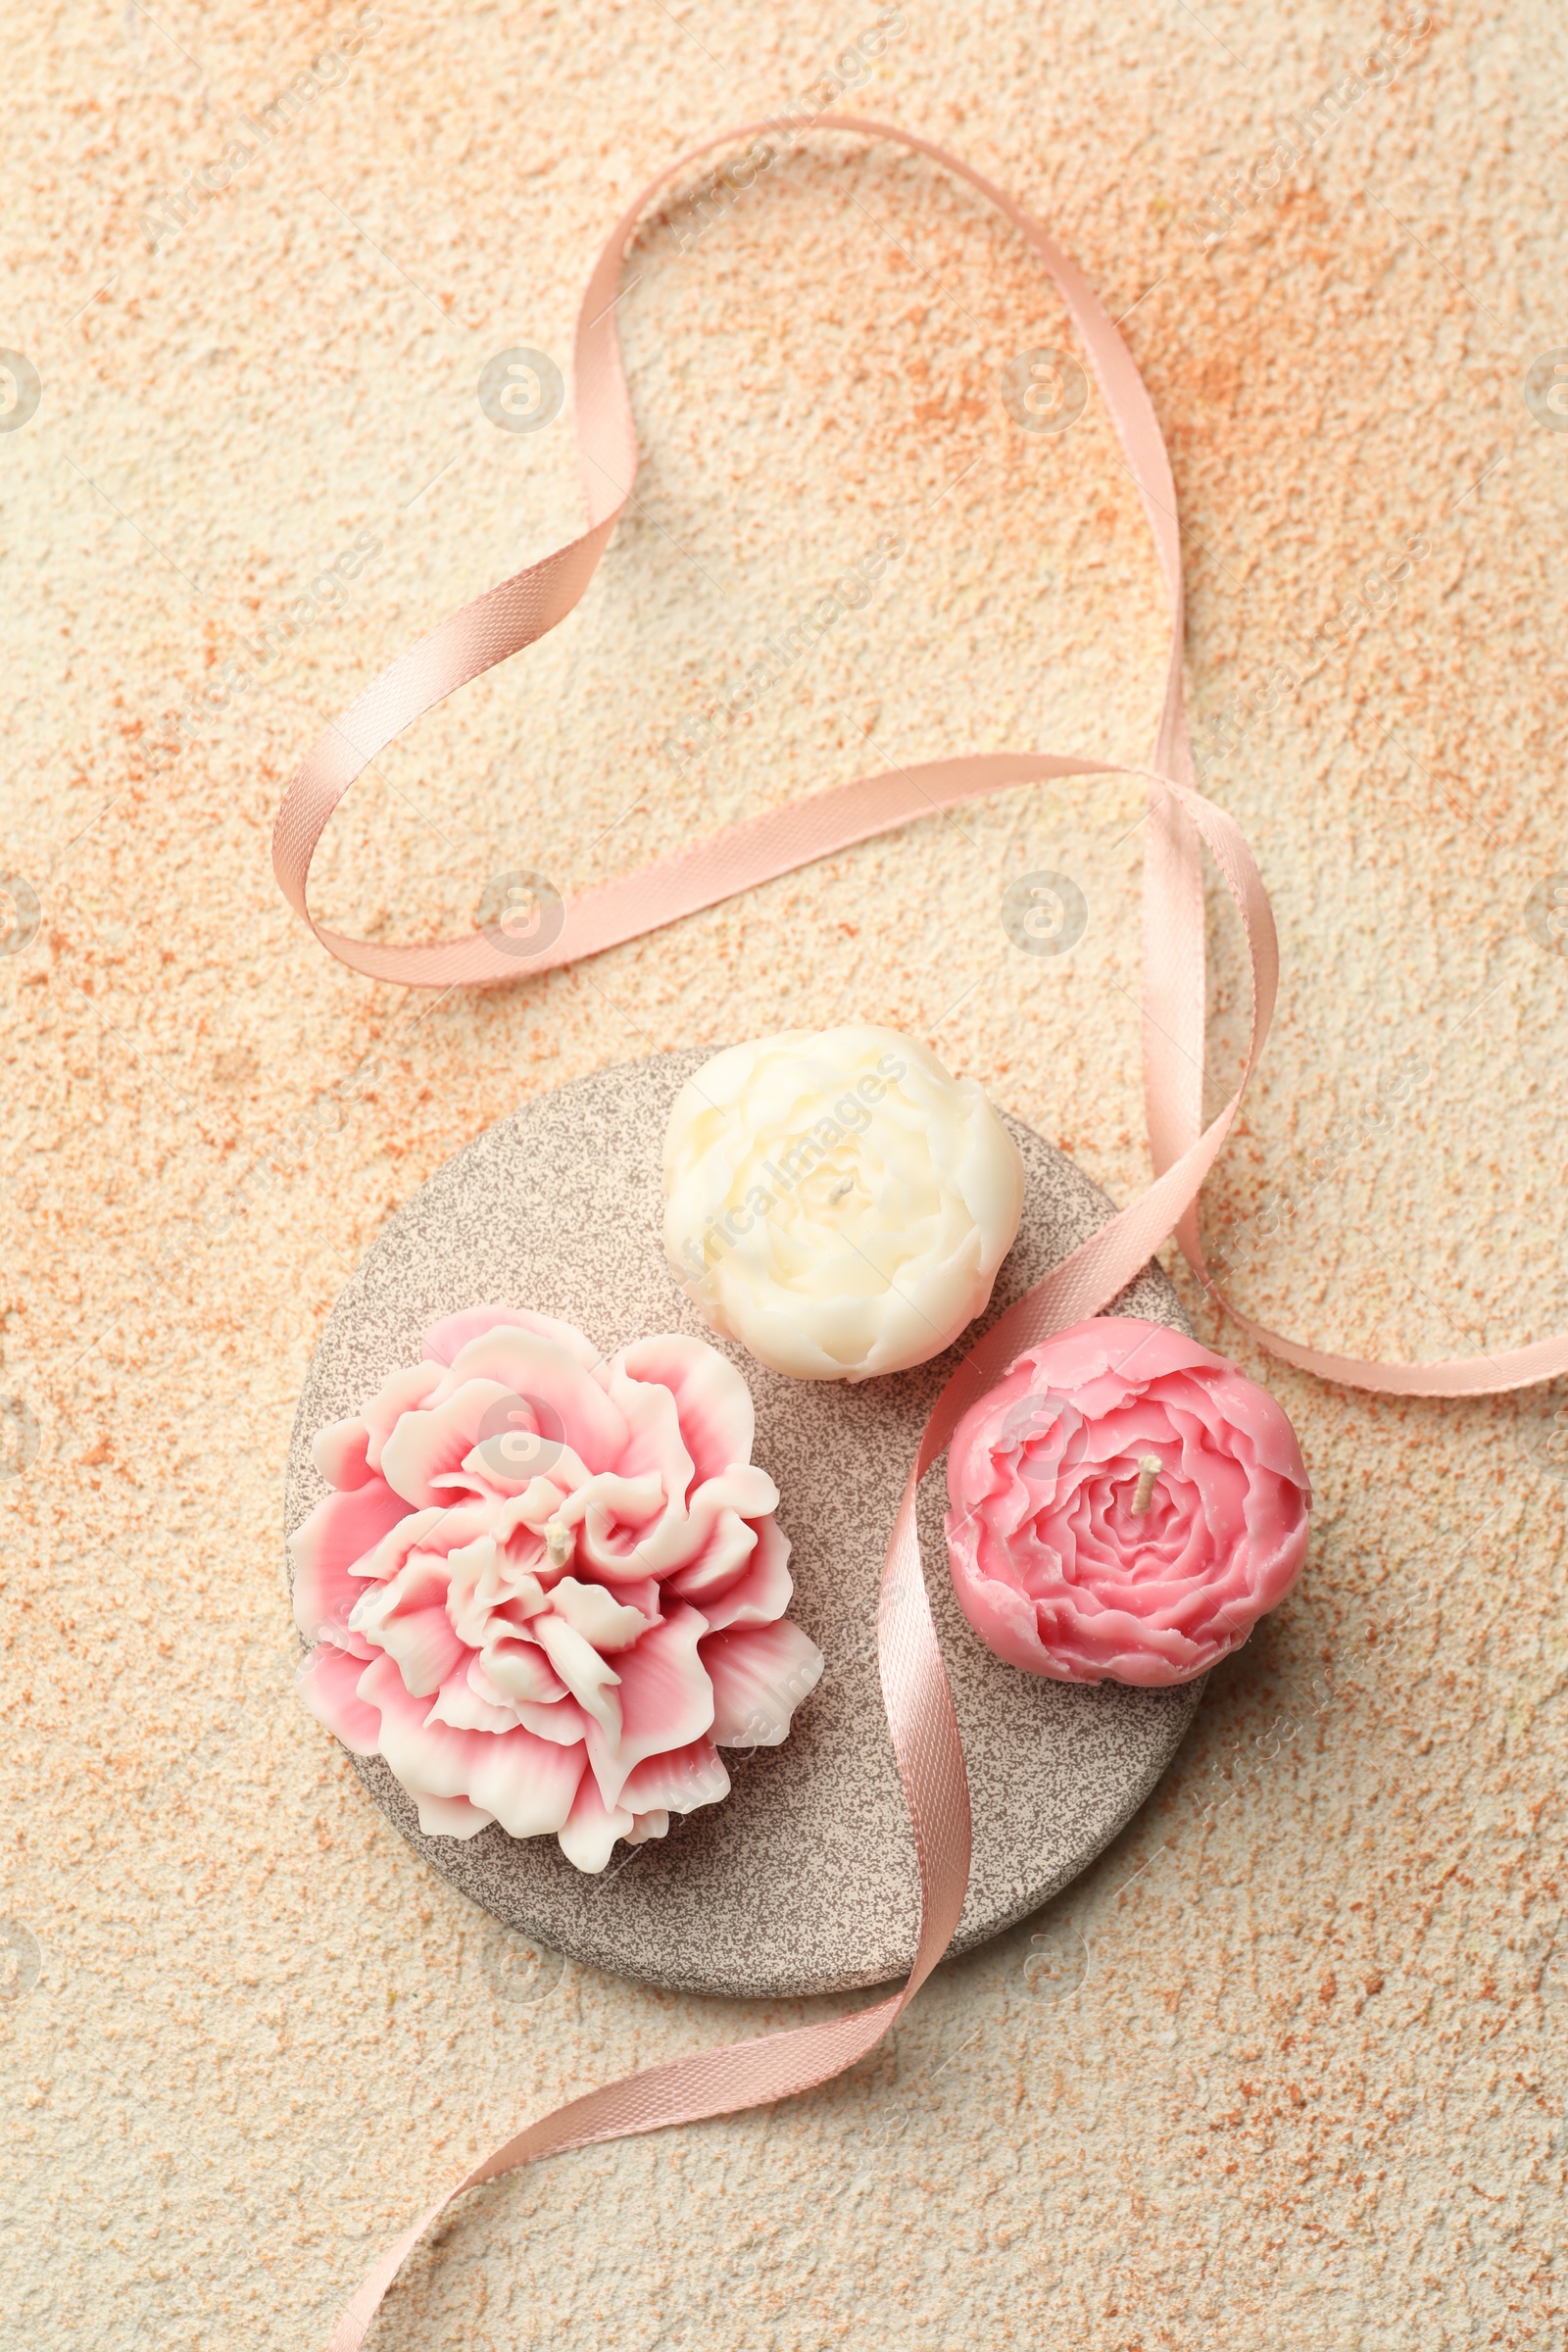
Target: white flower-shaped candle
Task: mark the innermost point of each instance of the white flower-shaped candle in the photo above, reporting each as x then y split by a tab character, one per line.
835	1201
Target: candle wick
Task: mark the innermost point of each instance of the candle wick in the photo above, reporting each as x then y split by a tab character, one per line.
557	1542
1150	1467
839	1190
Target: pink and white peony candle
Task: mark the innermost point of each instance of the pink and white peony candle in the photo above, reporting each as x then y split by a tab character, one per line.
547	1587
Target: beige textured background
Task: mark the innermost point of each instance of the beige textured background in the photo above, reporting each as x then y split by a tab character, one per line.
1309	2088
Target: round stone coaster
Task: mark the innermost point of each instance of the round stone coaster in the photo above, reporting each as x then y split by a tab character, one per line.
804	1879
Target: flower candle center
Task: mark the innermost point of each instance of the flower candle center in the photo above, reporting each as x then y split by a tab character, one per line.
1150	1467
558	1543
825	1193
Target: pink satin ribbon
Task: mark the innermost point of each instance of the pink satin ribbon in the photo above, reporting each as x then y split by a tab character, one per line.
1180	823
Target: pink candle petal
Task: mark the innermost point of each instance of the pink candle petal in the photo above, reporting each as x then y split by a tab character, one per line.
428	1445
758	1594
340	1535
329	1683
666	1700
445	1341
589	1832
679	1781
712	1403
534	1365
760	1673
449	1816
397	1395
340	1453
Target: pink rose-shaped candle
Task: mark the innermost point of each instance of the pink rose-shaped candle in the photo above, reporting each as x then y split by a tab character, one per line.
547	1586
1125	1504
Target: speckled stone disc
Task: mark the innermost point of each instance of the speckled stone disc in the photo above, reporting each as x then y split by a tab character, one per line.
804	1879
